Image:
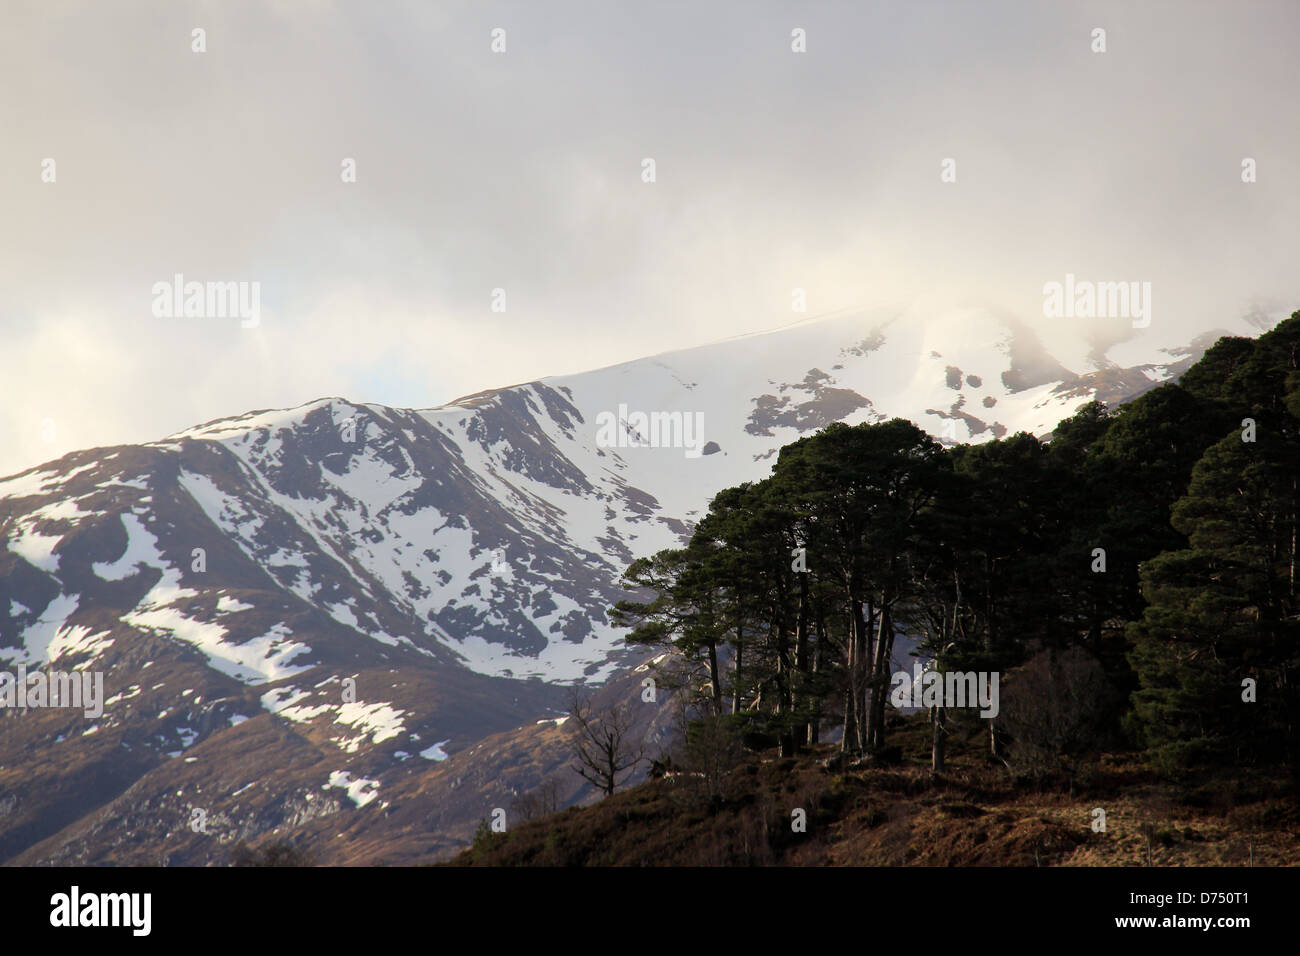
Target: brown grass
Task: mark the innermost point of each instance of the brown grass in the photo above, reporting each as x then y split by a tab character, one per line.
976	814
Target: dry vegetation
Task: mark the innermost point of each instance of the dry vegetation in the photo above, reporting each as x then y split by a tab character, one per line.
976	814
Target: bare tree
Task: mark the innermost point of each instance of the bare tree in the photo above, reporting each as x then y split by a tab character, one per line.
1058	708
604	743
537	803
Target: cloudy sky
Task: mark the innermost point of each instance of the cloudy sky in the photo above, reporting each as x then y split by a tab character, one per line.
522	170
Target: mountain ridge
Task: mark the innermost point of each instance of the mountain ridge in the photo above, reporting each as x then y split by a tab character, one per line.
471	549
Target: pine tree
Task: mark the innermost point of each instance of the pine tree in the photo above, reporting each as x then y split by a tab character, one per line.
1223	610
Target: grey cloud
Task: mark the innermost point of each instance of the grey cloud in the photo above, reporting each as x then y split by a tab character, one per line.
521	170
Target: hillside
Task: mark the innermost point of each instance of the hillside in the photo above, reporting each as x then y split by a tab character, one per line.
325	619
1106	625
975	814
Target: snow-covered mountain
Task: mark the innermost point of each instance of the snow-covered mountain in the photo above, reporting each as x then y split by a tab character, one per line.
369	590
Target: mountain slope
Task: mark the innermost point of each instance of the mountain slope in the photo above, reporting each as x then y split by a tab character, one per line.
333	599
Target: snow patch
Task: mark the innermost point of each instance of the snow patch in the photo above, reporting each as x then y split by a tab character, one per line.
361	791
141	548
436	752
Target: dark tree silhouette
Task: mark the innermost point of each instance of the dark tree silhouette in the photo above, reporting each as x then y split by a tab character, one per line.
605	743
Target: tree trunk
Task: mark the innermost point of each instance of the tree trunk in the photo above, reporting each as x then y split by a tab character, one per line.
880	680
851	741
818	665
735	678
939	724
866	647
1291	579
800	675
783	699
848	739
715	679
